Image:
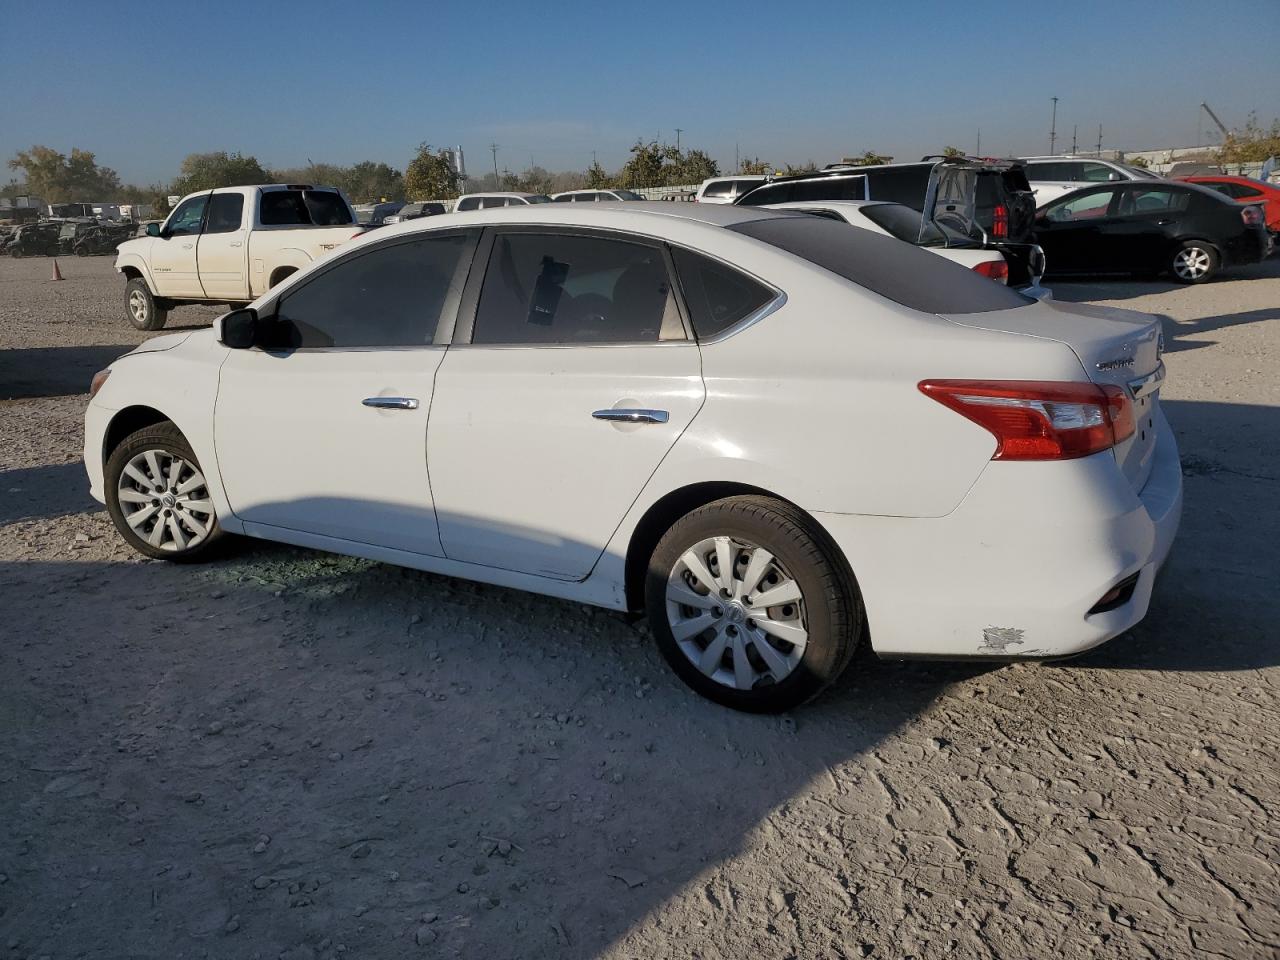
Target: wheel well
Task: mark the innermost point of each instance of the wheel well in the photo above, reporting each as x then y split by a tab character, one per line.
126	422
131	273
279	274
660	517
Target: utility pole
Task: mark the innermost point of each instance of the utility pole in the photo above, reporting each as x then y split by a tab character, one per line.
679	131
496	182
1074	128
1053	126
594	163
1099	153
737	164
977	151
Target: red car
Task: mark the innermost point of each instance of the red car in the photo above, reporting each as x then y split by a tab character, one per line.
1246	190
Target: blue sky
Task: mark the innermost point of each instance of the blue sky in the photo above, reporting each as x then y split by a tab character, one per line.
551	82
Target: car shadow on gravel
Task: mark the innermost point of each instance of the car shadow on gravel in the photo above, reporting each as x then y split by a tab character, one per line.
312	750
1080	289
1176	331
53	371
38	493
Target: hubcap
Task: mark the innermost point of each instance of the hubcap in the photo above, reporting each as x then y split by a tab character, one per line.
1192	263
736	613
138	306
164	500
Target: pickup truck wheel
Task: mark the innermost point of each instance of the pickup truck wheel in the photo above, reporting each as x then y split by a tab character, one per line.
141	308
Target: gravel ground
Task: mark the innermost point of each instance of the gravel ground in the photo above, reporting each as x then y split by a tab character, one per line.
286	753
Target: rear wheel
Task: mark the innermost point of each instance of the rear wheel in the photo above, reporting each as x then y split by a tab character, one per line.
141	308
749	605
157	495
1194	261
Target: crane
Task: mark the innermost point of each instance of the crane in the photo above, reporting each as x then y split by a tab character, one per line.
1214	117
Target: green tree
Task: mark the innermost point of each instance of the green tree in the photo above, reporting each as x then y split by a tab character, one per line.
755	166
207	171
430	175
368	181
59	178
597	178
644	169
796	171
952	152
693	166
1252	144
869	158
1140	162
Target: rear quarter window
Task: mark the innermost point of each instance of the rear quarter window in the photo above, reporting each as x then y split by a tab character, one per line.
718	296
895	270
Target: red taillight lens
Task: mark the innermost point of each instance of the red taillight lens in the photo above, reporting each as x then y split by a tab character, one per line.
1040	419
995	269
1252	216
1000	221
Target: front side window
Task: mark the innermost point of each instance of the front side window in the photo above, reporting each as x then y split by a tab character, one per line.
225	213
391	296
565	198
537	198
1088	206
1098	173
187	218
563	289
718	295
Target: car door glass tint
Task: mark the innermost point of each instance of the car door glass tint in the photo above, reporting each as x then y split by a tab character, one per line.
391	296
551	288
1090	206
718	296
1158	200
225	212
186	219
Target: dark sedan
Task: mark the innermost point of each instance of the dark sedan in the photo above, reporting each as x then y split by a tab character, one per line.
1149	227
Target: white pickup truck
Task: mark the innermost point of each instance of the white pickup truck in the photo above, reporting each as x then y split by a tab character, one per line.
229	245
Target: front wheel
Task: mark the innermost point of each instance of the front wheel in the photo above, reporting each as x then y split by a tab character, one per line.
750	606
141	308
1194	262
157	495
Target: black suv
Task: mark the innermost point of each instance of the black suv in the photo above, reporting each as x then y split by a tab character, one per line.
991	197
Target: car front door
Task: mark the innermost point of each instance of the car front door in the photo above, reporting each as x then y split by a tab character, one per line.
221	252
1070	231
570	378
323	428
173	253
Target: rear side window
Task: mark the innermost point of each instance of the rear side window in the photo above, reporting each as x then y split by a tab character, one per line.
900	185
558	288
564	198
303	208
225	213
468	203
718	296
721	189
895	270
391	296
1158	200
794	191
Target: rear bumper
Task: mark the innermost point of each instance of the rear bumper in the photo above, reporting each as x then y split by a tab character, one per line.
1016	568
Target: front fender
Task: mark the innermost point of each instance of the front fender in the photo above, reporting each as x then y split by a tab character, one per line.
137	262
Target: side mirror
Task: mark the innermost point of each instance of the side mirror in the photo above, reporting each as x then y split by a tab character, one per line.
238	329
153	229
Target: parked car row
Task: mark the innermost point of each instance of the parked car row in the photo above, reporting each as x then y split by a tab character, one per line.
53	238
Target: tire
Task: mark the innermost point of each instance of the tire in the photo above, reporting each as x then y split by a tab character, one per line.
179	505
1194	261
15	253
141	308
799	558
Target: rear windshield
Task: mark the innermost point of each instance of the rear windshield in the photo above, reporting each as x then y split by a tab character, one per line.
305	208
905	224
895	270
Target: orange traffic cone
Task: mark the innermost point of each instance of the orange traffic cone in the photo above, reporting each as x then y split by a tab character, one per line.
57	274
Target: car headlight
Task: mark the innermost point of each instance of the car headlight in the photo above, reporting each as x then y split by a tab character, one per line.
99	379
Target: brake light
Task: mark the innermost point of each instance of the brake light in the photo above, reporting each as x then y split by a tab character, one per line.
1040	419
1000	221
997	270
1252	216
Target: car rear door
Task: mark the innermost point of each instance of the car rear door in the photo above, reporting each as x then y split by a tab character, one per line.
1142	229
322	429
570	377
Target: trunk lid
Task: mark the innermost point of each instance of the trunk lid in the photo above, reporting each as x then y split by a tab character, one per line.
1116	348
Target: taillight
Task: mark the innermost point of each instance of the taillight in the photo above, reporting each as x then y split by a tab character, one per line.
997	270
1252	216
1000	221
1040	419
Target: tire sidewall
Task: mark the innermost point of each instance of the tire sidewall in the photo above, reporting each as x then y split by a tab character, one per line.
160	436
155	316
1215	261
828	611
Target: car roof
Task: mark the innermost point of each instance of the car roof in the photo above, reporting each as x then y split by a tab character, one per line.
500	193
1069	156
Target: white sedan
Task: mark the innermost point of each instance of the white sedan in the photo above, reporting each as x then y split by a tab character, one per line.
900	221
774	433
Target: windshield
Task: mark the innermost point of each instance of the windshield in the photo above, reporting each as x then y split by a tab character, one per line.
885	266
627	195
905	224
539	198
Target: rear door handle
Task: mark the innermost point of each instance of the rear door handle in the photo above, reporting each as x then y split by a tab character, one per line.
391	403
632	415
235	243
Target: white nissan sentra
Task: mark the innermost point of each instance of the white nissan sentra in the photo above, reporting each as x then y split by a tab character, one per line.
777	434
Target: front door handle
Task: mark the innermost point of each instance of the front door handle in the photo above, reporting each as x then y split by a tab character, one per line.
235	243
629	415
391	403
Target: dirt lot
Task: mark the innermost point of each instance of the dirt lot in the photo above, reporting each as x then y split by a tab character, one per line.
292	754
